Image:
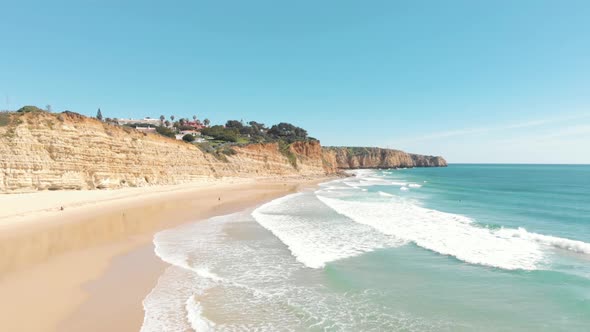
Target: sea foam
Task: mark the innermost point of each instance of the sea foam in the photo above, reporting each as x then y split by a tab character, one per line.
445	233
195	316
237	269
315	234
548	240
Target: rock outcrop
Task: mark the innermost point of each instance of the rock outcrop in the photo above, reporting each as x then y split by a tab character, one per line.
362	157
47	151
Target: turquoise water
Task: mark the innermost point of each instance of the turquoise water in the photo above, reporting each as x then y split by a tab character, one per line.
462	248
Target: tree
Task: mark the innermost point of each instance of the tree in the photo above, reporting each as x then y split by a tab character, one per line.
188	138
257	125
181	121
99	115
195	118
234	124
206	122
288	132
257	129
172	117
162	118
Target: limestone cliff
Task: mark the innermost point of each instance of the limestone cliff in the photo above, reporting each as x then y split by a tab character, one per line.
46	151
362	157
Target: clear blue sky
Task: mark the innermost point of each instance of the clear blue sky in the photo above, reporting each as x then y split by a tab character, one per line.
474	81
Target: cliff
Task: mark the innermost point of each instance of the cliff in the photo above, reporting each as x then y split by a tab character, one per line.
47	151
363	157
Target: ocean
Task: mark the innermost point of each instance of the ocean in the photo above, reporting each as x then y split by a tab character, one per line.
461	248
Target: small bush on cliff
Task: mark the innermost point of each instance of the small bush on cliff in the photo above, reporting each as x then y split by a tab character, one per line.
285	149
5	119
220	151
28	109
188	138
228	151
165	131
72	115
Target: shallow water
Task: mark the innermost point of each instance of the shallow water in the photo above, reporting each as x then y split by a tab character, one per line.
463	248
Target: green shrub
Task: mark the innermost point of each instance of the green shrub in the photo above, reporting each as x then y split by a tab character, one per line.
285	149
219	151
164	131
228	151
188	138
205	147
222	133
28	108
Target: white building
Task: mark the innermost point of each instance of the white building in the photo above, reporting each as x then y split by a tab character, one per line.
145	121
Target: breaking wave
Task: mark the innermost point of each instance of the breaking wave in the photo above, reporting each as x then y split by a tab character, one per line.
454	235
315	234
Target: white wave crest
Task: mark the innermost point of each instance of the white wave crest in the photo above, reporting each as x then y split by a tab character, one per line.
414	185
553	241
385	194
195	316
445	233
321	237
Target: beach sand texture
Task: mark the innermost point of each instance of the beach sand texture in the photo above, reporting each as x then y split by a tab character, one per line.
88	267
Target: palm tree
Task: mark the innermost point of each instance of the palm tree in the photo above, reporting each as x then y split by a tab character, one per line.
162	118
195	118
172	117
206	122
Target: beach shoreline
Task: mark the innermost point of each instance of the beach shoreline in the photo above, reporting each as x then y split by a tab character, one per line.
89	266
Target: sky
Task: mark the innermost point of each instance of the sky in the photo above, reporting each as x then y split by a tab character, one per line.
473	81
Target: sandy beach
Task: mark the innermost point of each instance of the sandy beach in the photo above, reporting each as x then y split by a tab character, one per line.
83	260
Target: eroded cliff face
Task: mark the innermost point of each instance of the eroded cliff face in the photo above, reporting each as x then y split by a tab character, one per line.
45	151
362	157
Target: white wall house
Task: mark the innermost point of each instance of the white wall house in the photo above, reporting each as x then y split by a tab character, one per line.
147	121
